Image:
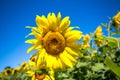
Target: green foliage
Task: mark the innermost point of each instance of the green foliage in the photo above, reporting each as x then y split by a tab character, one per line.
112	66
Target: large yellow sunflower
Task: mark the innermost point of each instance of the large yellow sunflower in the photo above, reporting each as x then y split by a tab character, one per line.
55	41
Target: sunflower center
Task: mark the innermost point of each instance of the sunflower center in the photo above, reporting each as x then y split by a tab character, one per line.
8	71
39	76
54	43
15	71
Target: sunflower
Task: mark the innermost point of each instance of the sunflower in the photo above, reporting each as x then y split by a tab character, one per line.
99	39
116	21
1	76
40	76
86	40
23	66
98	31
34	72
55	41
7	72
15	70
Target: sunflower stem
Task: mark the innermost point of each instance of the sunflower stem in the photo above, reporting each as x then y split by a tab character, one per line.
109	28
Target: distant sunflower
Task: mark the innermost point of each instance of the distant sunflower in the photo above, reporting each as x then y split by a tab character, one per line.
35	74
98	36
23	66
55	41
116	21
1	76
7	72
40	76
86	40
98	31
15	70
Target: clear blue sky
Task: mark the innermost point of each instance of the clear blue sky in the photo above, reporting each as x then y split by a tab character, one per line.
16	14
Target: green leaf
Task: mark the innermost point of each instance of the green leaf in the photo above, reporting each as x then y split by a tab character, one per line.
112	42
119	43
39	70
115	33
98	66
112	66
104	24
111	39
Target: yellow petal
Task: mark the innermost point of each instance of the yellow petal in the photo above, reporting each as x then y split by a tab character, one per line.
42	21
74	45
70	51
35	46
69	29
86	37
61	65
70	57
64	24
98	31
30	49
36	34
117	22
33	78
28	35
58	18
53	17
30	73
53	22
42	24
41	56
65	60
52	62
49	61
55	64
71	33
49	19
73	38
31	41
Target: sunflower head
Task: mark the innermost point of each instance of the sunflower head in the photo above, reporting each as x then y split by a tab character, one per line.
7	72
15	70
86	38
116	21
24	65
116	18
32	61
55	41
1	76
39	76
98	31
35	74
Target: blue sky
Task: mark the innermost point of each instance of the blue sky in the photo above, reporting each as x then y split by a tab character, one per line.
16	14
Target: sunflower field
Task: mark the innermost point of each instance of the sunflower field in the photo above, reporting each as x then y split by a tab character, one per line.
63	52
